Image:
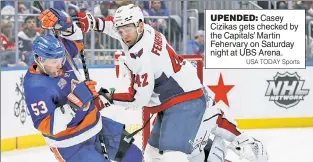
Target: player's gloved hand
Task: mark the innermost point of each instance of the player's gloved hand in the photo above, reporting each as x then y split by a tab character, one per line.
107	94
54	19
81	97
104	99
85	21
249	148
92	87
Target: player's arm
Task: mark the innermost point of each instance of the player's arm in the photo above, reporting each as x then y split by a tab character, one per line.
47	118
51	120
73	40
143	79
71	35
82	100
88	22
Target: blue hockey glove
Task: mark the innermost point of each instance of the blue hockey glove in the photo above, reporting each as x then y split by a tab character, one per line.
81	97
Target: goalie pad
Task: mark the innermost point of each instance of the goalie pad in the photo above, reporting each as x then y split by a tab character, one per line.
214	121
218	121
208	123
226	126
218	150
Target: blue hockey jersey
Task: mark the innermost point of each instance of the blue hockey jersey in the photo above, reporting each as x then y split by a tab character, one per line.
46	99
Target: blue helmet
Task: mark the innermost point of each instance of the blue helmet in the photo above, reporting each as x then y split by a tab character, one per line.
48	47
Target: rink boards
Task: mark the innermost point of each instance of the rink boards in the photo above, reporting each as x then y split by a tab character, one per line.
256	99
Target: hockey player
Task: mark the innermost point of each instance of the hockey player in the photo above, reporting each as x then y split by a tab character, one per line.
160	80
64	108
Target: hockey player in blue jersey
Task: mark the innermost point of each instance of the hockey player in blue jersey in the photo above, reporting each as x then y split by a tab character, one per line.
64	108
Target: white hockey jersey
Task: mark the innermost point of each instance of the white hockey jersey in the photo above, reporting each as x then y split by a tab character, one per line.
159	78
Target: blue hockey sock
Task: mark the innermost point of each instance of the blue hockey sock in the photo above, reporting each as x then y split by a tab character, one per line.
133	154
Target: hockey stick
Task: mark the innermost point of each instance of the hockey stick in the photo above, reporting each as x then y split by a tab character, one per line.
68	57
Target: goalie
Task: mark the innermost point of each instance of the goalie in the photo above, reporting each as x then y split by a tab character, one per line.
217	121
160	80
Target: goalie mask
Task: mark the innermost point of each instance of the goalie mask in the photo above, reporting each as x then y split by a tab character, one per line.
49	54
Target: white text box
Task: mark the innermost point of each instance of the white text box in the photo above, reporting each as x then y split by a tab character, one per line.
255	39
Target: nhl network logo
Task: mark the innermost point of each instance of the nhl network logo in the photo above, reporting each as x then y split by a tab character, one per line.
286	90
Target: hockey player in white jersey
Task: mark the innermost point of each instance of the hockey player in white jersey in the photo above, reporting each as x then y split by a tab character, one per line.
160	80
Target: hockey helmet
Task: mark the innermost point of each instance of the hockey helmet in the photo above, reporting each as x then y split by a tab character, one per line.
48	48
128	14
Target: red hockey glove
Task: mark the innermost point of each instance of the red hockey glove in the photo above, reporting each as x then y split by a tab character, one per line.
85	21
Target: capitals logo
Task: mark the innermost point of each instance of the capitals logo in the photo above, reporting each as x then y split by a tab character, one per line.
286	90
137	54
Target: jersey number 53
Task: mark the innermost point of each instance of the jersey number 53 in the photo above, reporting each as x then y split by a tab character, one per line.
39	108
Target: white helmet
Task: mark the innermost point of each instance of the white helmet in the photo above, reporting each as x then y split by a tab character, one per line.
129	14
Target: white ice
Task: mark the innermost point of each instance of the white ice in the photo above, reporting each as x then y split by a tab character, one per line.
283	145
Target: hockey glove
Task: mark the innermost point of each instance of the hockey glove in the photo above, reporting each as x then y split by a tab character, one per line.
249	148
104	99
92	87
82	95
54	19
106	94
85	21
101	102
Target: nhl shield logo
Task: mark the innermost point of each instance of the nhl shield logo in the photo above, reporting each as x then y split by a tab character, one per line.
286	90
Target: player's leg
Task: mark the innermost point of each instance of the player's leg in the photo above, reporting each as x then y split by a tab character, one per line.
133	154
118	149
152	153
87	153
82	152
179	128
